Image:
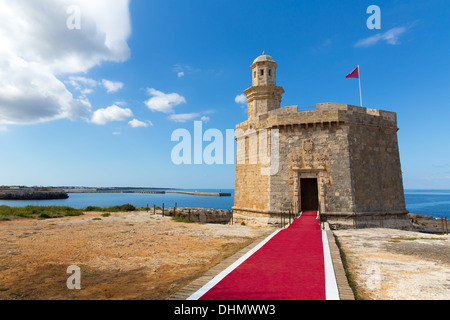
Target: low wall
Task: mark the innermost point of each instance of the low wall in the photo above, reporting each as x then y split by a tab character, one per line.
370	220
203	215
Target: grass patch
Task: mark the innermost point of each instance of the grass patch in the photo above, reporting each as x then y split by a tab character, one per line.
351	281
180	219
44	215
97	219
106	215
34	212
50	212
123	208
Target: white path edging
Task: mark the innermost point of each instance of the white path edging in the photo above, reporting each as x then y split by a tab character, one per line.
331	288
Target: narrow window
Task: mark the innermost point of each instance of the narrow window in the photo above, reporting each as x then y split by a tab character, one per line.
270	72
262	72
254	74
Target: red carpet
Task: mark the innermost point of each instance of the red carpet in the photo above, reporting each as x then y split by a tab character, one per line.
288	267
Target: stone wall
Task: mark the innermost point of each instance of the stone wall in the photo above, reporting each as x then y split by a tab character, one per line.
352	151
203	215
376	170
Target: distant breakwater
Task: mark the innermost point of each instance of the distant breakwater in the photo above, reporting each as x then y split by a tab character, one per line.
33	195
192	193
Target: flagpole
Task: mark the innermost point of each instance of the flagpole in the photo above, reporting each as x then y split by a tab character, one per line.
360	94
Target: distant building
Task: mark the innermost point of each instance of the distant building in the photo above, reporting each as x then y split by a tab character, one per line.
339	159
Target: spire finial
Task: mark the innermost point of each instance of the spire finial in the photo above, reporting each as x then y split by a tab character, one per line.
264	53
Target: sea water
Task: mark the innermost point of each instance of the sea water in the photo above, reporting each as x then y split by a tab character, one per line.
426	202
83	200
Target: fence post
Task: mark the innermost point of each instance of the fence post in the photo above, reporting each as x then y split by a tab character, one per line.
154	209
446	228
163	210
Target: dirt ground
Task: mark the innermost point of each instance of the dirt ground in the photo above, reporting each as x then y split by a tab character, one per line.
137	255
389	264
123	256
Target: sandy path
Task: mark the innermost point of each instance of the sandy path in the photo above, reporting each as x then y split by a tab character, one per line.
124	256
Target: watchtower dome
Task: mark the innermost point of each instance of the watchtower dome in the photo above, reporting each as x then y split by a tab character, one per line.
264	95
264	71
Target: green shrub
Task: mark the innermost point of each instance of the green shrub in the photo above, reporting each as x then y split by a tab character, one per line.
93	209
123	208
180	219
44	215
127	207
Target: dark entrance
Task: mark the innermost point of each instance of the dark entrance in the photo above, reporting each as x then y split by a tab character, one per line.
309	195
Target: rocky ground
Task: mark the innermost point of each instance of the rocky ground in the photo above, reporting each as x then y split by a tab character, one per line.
389	264
123	256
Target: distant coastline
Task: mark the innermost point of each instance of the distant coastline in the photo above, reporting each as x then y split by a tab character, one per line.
56	193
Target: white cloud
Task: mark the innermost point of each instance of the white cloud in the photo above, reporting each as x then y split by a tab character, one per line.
205	119
112	86
182	70
241	99
37	48
112	113
31	93
163	102
87	85
391	37
184	117
120	103
140	124
83	84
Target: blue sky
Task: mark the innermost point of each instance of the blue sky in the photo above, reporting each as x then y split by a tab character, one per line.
97	105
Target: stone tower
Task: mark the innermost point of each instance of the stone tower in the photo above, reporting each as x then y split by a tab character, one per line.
264	95
340	160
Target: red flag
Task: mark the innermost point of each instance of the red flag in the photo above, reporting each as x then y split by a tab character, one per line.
353	74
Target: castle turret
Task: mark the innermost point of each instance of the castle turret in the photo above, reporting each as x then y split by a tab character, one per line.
264	95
